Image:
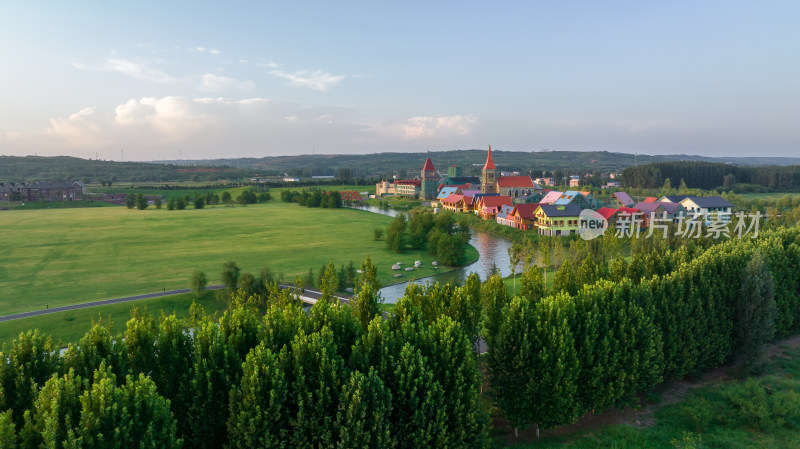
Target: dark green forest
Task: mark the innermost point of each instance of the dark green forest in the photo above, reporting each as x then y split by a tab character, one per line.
707	176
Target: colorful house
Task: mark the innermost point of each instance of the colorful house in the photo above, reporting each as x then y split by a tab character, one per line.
552	220
488	206
523	214
451	202
446	191
573	197
515	186
709	207
619	199
504	216
551	197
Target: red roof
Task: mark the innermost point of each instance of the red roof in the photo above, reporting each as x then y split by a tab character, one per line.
607	212
495	201
489	165
629	210
650	199
413	182
350	195
468	200
525	210
428	165
515	181
453	198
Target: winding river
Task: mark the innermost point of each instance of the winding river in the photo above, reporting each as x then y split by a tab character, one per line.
492	250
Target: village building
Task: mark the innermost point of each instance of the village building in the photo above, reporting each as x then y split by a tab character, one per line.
451	203
573	197
489	175
487	206
710	207
43	191
524	217
552	220
515	186
574	181
619	199
504	216
429	181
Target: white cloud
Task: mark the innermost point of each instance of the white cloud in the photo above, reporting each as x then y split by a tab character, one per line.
317	80
214	51
136	70
215	83
438	126
268	64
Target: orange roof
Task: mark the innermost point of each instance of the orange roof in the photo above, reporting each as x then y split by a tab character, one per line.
489	165
515	181
428	165
650	199
585	193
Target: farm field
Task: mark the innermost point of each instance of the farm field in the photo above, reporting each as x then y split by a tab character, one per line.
69	326
67	256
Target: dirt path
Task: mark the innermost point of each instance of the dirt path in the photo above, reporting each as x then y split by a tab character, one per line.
643	416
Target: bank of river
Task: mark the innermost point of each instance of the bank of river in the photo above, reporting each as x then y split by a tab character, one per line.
492	250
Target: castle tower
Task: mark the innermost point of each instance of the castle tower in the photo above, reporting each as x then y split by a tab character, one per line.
428	187
489	175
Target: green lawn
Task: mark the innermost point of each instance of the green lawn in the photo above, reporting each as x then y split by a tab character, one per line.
66	256
70	326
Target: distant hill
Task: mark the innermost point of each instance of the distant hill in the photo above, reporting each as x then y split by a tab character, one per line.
65	168
383	164
377	165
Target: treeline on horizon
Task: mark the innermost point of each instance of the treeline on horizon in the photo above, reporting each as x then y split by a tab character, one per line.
709	175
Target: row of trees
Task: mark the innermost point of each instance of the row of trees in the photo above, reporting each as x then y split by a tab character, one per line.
313	198
440	234
709	175
266	374
555	355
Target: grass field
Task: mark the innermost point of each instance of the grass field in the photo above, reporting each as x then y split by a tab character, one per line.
70	326
67	256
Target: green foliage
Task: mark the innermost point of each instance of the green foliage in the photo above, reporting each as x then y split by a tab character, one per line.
533	366
8	431
755	308
396	234
199	202
198	283
377	234
366	300
171	204
130	201
247	197
141	202
230	275
180	204
23	370
258	406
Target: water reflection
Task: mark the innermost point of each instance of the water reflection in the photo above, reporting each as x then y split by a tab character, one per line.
493	252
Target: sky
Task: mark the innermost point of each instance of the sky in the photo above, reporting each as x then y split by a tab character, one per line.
178	79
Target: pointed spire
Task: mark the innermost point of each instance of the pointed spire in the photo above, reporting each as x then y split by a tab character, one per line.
428	165
489	165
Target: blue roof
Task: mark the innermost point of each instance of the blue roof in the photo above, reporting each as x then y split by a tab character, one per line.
568	197
445	192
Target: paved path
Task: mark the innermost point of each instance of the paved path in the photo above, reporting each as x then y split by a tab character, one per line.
310	296
17	316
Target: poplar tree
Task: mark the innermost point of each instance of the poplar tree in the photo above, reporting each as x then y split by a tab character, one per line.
362	419
755	308
258	409
23	370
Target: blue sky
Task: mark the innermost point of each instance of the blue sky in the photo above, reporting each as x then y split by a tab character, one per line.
212	79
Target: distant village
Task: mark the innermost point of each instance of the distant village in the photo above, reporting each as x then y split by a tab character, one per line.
531	204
